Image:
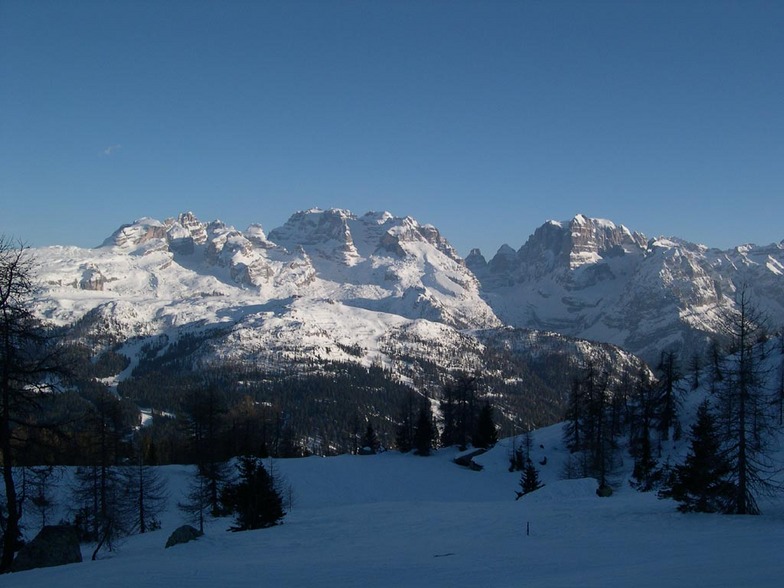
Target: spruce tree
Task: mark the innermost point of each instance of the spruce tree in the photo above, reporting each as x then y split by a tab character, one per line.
404	434
529	480
254	498
370	444
668	399
485	434
745	407
645	475
702	483
424	431
459	410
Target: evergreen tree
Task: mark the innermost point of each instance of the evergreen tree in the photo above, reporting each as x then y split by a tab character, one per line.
425	431
485	434
668	401
702	483
448	412
589	427
254	498
695	368
370	444
459	411
645	475
715	366
404	434
575	407
516	460
744	404
205	408
529	480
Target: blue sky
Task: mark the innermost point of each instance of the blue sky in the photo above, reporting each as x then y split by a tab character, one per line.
482	118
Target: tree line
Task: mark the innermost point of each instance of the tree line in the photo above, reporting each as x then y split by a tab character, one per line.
730	462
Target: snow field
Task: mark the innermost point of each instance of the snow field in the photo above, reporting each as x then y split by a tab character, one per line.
402	520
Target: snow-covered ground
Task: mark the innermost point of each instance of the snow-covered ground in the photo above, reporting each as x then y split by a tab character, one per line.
403	520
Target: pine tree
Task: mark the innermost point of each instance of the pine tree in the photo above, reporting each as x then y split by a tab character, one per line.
370	444
744	404
485	434
424	431
715	366
645	475
695	369
702	483
404	434
529	480
206	407
253	498
516	456
668	401
448	412
459	411
589	427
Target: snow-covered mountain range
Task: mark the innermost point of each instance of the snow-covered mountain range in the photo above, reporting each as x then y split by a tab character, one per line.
594	279
330	285
326	286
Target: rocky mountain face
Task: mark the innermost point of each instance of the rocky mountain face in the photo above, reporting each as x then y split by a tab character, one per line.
326	286
379	290
593	279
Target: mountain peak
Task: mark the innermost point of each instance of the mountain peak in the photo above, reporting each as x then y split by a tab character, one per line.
136	234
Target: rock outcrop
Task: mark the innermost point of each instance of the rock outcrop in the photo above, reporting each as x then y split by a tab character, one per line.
55	545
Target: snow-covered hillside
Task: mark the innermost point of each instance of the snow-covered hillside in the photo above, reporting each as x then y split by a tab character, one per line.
404	520
328	282
594	279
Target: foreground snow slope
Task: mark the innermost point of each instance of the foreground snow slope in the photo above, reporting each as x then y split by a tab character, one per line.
402	520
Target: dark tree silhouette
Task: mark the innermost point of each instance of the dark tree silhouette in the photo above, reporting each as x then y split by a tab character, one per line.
404	434
206	407
29	365
485	434
743	403
668	403
529	480
425	431
702	483
369	443
146	494
253	498
459	411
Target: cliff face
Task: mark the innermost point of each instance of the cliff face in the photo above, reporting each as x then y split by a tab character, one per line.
358	275
594	279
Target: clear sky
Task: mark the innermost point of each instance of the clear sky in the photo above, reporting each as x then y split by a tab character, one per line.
484	119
